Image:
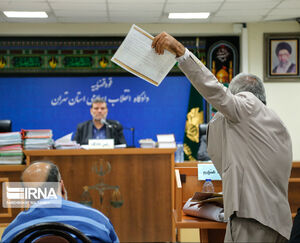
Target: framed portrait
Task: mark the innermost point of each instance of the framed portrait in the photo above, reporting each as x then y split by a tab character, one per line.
281	59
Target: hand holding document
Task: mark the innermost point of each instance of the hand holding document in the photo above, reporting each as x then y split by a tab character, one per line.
138	57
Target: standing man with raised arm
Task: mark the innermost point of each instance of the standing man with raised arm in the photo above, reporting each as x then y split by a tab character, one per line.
250	147
99	127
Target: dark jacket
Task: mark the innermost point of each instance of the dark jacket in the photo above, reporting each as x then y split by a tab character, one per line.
85	132
291	69
295	234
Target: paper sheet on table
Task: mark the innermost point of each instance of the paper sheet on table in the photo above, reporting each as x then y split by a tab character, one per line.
65	139
137	56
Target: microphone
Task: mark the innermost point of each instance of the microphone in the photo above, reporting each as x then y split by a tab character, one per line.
103	121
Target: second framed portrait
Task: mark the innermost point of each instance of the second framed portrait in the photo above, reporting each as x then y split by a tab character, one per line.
281	61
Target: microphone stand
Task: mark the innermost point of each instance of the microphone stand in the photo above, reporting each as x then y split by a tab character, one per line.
132	136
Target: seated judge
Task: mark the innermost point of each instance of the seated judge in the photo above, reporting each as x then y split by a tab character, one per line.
99	127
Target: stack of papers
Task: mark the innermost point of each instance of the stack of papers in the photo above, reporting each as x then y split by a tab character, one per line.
11	148
37	139
65	142
166	141
38	143
147	143
38	133
8	138
205	205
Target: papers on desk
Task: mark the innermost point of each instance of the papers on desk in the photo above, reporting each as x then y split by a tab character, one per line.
10	138
37	133
11	148
205	205
137	56
166	140
66	142
147	143
36	139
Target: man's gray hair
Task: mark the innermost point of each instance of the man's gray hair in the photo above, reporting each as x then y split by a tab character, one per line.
248	82
52	176
98	100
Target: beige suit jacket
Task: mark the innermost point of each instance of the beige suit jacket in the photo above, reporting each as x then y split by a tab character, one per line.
250	147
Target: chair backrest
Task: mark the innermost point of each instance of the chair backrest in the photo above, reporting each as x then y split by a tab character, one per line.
5	125
50	232
202	129
51	239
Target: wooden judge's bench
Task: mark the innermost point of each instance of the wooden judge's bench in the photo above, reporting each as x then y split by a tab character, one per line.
137	189
141	208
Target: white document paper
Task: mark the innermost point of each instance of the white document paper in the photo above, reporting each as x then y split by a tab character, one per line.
165	138
65	139
137	56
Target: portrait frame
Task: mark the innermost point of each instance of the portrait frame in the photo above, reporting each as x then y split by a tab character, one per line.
281	48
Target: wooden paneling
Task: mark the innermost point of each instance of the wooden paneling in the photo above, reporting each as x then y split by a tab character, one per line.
9	173
294	188
4	212
144	177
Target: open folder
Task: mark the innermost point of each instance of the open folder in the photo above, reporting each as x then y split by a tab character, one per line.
137	56
205	205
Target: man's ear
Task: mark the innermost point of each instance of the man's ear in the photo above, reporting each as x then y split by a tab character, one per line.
63	189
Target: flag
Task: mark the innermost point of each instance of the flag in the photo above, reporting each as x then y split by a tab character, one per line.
194	117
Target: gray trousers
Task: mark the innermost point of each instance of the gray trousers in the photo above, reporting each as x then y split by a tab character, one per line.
249	230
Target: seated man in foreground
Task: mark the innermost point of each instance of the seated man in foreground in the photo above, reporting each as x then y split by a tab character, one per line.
89	221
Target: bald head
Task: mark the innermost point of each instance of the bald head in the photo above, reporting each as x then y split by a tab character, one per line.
41	172
44	171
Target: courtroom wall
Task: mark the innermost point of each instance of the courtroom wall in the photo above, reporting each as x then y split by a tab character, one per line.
282	97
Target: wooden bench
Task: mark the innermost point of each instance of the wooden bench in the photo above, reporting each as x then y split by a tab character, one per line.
210	231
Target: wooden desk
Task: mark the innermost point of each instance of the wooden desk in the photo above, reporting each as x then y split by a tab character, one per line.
144	176
209	231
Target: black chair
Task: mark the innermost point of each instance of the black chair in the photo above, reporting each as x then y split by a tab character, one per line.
51	232
202	151
202	129
5	125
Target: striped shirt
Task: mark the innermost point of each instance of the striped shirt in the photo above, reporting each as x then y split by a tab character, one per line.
89	221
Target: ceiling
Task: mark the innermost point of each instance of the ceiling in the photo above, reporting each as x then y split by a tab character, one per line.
152	11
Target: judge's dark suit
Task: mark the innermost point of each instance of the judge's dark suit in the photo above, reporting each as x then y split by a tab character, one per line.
251	149
85	132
